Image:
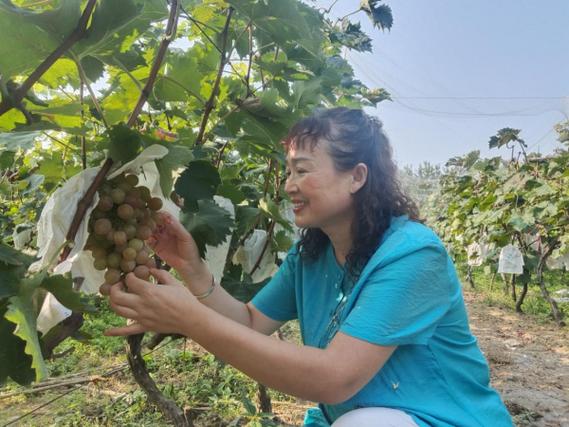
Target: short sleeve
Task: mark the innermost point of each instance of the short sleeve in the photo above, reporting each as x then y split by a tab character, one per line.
402	301
277	299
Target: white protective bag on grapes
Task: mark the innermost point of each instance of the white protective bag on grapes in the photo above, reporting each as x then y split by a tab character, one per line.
511	260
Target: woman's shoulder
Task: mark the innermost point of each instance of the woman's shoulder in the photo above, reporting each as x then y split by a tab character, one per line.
405	236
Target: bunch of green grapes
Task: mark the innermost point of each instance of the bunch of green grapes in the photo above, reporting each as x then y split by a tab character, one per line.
125	217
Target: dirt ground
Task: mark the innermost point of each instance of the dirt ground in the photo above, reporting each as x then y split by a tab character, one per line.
529	362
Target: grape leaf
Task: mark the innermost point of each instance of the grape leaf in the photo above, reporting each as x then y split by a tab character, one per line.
14	362
177	156
62	289
210	225
17	140
21	312
199	181
124	144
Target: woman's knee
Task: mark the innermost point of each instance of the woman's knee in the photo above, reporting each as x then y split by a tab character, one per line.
375	417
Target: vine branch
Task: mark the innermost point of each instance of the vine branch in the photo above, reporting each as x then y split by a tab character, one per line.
168	36
78	33
211	101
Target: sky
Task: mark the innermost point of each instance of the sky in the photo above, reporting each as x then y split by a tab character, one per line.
459	71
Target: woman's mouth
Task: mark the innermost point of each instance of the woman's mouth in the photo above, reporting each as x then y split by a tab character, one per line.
297	206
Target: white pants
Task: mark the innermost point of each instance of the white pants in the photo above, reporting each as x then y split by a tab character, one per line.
375	417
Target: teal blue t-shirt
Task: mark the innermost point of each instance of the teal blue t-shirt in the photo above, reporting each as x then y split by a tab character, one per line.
408	295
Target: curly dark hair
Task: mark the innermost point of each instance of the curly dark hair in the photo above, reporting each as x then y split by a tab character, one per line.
354	137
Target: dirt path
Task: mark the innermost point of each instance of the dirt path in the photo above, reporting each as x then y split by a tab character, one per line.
529	363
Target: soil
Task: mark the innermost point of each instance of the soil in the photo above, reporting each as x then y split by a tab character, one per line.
529	362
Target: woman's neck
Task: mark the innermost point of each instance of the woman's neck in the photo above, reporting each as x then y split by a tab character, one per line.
341	240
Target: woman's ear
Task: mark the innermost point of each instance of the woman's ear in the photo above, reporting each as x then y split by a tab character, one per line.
359	177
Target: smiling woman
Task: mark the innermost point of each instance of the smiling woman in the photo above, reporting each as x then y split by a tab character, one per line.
383	322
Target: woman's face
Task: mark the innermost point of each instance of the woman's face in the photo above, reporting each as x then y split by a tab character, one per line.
321	195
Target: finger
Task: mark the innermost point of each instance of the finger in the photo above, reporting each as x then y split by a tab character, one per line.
133	329
119	295
176	228
135	285
151	241
123	311
105	289
163	277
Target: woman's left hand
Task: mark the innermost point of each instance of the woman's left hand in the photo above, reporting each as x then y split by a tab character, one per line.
164	307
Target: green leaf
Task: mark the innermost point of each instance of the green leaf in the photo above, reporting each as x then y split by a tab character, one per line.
62	289
272	210
177	157
210	225
18	140
246	218
249	406
380	14
232	192
29	43
124	144
518	223
181	76
283	241
199	181
11	256
21	312
109	17
14	362
504	137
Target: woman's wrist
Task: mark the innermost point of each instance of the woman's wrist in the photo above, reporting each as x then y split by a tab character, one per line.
198	281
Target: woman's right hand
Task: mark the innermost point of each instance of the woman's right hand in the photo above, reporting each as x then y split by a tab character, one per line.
175	245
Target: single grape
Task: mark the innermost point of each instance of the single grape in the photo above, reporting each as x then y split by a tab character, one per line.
118	196
136	244
103	226
113	260
105	204
119	238
129	254
142	272
112	276
130	230
143	232
155	204
127	266
125	211
98	252
134	200
142	257
132	180
124	186
100	264
145	193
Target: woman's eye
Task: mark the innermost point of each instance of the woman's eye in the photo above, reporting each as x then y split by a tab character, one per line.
300	171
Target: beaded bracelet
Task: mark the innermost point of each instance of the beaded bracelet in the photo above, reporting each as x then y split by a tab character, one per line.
209	291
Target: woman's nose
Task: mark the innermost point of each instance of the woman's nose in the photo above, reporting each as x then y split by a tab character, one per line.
290	185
